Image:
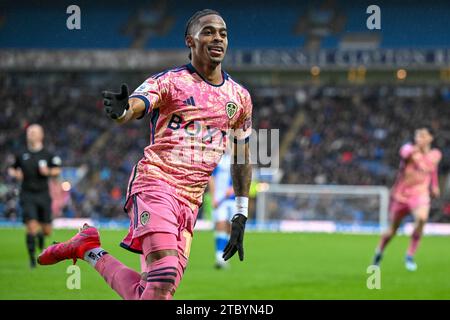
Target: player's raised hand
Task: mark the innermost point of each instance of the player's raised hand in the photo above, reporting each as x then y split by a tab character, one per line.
116	103
236	242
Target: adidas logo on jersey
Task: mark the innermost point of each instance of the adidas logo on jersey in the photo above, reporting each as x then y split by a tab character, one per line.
189	102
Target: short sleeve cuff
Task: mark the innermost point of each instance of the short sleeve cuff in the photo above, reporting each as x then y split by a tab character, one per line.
146	102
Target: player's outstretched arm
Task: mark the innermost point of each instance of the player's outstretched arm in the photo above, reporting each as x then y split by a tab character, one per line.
241	173
119	107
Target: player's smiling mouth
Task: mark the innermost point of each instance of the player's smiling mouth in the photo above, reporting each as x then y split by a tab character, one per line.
216	49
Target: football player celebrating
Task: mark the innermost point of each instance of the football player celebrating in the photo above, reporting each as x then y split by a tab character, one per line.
416	181
191	110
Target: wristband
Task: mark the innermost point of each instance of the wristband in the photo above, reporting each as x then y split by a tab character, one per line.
123	114
242	206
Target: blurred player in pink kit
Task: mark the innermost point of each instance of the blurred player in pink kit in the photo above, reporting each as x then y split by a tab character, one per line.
194	111
417	178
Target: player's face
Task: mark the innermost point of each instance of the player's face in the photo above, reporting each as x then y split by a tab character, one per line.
423	137
210	40
35	133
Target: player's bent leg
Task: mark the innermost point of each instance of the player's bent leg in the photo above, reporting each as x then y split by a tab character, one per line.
126	282
390	233
143	263
162	275
86	245
165	268
385	239
420	218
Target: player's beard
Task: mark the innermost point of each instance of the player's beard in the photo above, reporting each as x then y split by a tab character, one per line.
215	61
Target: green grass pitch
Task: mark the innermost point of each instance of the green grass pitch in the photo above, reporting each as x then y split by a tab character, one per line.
276	266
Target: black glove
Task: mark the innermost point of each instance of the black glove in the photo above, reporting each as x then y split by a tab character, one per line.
115	103
236	242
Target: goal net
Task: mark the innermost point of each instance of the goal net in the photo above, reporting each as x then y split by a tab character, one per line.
322	208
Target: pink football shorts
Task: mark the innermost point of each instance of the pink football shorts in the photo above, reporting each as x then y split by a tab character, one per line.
399	209
162	213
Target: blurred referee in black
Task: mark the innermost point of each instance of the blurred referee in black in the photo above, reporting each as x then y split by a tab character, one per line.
33	166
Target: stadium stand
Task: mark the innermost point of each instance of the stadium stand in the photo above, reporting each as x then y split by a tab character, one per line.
157	25
327	136
336	142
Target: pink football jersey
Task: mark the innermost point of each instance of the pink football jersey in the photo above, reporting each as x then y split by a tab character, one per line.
191	121
418	171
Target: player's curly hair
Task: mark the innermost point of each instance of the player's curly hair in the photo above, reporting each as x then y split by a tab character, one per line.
194	19
427	126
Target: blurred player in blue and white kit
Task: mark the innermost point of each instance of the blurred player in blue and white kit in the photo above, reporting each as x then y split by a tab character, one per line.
223	199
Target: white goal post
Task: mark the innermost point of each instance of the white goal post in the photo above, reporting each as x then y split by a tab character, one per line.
337	204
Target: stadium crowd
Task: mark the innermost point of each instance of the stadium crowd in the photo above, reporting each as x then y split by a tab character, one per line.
349	134
352	135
